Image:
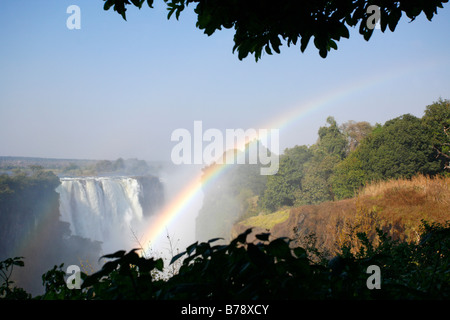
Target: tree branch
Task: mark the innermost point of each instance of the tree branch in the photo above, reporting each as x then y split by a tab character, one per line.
440	153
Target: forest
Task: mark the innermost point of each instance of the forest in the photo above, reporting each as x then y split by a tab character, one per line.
345	161
77	167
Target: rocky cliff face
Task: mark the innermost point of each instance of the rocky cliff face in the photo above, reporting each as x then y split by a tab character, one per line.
325	221
152	196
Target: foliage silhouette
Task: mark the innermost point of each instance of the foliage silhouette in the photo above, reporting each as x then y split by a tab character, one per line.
7	291
266	269
259	24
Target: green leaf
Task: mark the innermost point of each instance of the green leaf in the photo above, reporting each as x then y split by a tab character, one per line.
214	240
202	248
123	14
90	280
191	248
171	9
368	34
106	270
300	252
242	238
279	248
131	258
176	257
394	17
344	31
263	236
109	267
108	4
304	42
117	254
159	264
276	43
257	256
332	44
138	3
179	9
19	263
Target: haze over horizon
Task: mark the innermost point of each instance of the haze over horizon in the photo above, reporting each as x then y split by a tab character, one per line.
118	89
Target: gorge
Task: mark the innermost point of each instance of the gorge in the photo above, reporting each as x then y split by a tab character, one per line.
108	209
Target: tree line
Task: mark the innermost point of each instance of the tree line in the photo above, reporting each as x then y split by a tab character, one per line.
345	158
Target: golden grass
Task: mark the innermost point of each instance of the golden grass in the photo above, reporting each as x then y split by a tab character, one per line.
418	188
267	221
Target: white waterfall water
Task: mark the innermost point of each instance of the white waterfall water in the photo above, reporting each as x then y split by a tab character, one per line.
105	209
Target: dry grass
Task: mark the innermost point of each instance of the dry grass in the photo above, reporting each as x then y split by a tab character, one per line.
396	206
418	189
404	203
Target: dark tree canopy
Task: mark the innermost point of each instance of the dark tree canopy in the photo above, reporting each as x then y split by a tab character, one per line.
262	24
437	121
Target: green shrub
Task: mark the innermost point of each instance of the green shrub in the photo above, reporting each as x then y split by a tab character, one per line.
267	270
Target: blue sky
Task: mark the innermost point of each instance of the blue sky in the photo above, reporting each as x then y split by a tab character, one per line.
119	88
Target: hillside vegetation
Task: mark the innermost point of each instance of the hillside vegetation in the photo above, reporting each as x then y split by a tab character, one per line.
396	206
396	169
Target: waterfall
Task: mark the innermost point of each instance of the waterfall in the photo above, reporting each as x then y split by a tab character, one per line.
105	209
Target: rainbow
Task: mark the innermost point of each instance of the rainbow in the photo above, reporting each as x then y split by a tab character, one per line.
179	204
193	188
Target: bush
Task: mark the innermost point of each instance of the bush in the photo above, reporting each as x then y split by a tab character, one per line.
269	270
